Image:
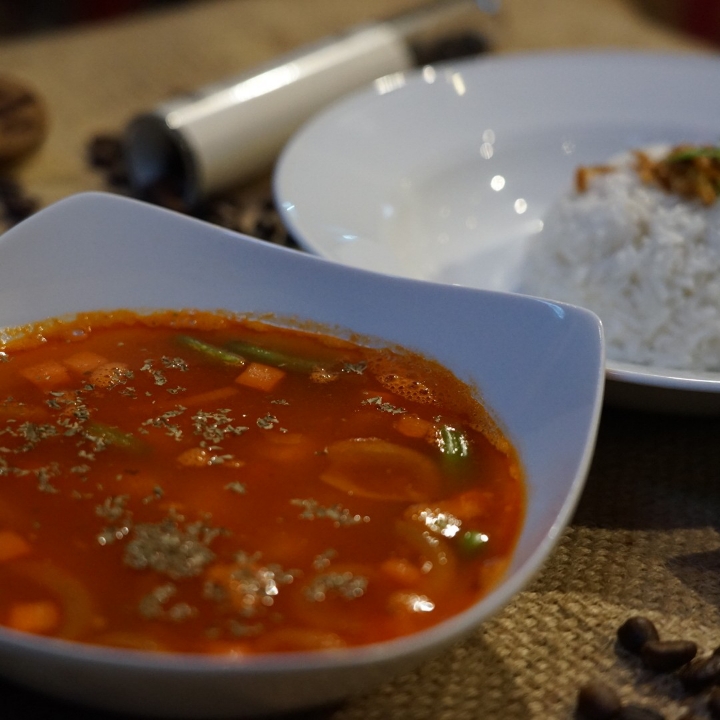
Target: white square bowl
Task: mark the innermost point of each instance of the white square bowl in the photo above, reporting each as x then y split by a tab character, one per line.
537	365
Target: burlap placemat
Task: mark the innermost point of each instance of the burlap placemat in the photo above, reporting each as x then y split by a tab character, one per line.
644	538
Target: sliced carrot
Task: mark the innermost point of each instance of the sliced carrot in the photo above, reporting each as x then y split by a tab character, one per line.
12	545
71	594
210	397
47	375
34	617
260	376
413	426
83	362
401	571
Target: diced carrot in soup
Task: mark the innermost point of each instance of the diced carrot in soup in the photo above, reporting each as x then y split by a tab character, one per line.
12	545
414	426
83	362
187	481
51	581
260	376
47	375
42	616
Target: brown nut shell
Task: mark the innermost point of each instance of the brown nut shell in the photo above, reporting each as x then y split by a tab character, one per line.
23	119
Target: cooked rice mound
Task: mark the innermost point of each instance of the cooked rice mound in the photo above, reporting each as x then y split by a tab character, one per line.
644	259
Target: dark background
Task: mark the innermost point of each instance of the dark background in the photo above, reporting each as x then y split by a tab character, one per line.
700	18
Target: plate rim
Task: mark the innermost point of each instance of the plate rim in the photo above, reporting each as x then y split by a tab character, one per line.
663	380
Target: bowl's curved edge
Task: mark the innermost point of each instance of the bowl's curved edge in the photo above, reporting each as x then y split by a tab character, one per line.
156	674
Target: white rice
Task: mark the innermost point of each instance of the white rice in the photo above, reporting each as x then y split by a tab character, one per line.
646	262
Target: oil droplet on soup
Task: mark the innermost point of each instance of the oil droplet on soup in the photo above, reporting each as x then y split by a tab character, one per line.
196	482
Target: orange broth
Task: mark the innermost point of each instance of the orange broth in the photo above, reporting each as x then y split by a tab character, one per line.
195	482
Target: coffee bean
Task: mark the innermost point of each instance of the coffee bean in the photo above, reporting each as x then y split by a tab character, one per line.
639	712
265	228
700	673
9	188
221	212
23	119
635	632
667	655
598	701
166	194
714	703
19	207
117	175
104	151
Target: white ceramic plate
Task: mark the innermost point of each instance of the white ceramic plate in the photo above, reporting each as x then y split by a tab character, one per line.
444	174
538	366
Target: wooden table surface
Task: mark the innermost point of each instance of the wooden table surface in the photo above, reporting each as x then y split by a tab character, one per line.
645	537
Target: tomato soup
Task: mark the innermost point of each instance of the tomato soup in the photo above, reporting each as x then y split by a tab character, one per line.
197	482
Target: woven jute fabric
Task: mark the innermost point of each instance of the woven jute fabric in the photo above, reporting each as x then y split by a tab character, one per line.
644	538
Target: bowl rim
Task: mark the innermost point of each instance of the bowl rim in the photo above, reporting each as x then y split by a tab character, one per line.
440	634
